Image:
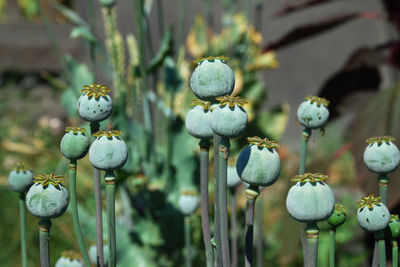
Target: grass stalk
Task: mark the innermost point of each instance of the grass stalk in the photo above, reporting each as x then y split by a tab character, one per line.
234	230
380	239
109	178
383	182
188	243
44	240
205	218
252	193
332	235
395	254
217	224
312	234
94	127
22	218
223	206
74	207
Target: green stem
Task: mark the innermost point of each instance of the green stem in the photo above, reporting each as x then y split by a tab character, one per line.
109	178
380	238
223	207
332	235
209	13
383	181
44	237
74	207
395	254
205	218
312	234
305	135
252	193
188	245
217	224
181	23
259	235
22	218
234	229
160	18
92	45
94	127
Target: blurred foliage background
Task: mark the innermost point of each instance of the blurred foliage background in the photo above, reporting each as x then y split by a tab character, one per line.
149	82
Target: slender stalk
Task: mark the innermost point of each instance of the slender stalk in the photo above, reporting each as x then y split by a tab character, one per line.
223	206
305	135
205	218
217	224
92	45
312	234
188	245
181	23
383	181
109	177
259	235
94	127
75	217
251	195
22	218
395	254
44	237
380	239
332	235
234	229
209	13
160	18
259	5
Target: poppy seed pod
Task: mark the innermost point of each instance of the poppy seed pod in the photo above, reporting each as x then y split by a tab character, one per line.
69	259
372	216
313	113
198	120
232	177
188	202
20	178
108	152
259	163
74	144
310	200
47	198
94	105
212	78
394	226
338	216
229	119
381	155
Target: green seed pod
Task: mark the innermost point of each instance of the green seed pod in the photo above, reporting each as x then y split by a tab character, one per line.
107	3
108	152
94	105
93	254
20	178
47	198
69	259
381	155
372	216
198	120
313	113
232	177
74	144
394	226
259	163
310	200
338	216
212	78
229	119
188	202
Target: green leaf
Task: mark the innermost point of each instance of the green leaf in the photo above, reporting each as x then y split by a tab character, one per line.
149	232
164	50
147	7
172	78
69	101
273	123
83	32
70	14
80	74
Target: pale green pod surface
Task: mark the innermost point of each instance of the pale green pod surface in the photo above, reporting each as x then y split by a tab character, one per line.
93	254
66	262
47	202
212	78
20	180
188	203
375	219
108	153
258	166
107	3
382	158
310	201
198	123
94	109
74	146
311	115
394	226
229	122
232	177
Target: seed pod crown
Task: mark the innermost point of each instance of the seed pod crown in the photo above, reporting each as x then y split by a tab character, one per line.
369	202
380	139
46	179
231	101
318	100
261	143
309	177
95	90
